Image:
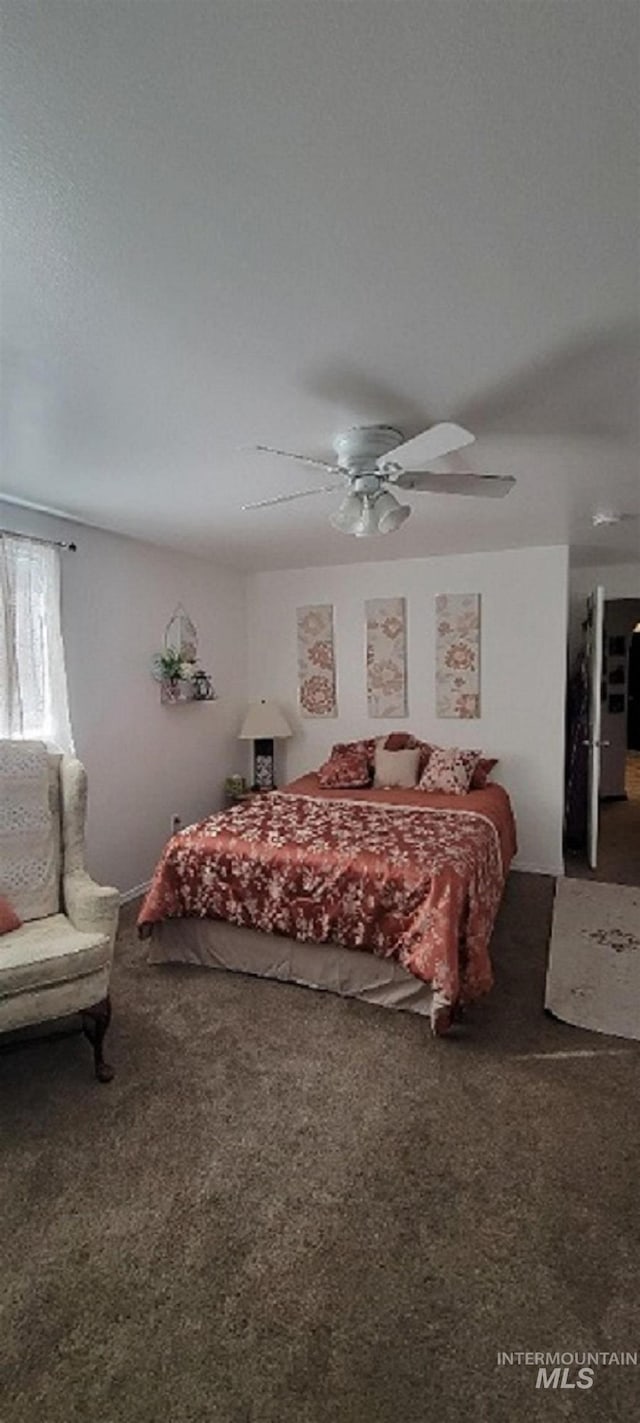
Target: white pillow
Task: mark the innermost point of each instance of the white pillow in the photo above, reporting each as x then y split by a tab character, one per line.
396	768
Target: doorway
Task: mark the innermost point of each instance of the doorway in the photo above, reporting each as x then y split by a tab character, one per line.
618	857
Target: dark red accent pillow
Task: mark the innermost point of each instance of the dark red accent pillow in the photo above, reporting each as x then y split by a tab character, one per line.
482	772
400	741
368	746
8	918
346	769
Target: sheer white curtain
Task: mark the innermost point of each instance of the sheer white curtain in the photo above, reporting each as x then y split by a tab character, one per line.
33	679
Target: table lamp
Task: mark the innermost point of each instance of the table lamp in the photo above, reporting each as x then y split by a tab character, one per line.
263	724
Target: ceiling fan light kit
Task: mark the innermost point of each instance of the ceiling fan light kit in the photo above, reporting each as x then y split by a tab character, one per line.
389	513
347	516
373	457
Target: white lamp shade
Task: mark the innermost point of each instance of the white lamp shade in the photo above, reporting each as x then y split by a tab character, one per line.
264	722
367	525
347	516
390	514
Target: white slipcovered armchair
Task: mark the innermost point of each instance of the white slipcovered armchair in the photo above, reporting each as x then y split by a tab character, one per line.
58	962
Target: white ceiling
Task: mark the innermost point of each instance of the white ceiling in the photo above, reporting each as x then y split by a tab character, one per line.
231	223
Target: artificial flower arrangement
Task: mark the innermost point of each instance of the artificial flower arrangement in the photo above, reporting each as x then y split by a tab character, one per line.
180	679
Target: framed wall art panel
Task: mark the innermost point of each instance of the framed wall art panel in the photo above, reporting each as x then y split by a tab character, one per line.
458	655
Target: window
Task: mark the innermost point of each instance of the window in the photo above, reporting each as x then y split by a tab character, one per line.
33	680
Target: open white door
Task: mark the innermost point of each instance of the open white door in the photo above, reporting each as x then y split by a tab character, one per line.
594	647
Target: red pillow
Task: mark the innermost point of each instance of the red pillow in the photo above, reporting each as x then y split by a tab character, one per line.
482	772
346	769
400	741
8	918
368	746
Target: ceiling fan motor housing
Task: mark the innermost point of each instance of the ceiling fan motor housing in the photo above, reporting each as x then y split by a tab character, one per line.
360	447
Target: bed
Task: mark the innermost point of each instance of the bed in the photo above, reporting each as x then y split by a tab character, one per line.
386	895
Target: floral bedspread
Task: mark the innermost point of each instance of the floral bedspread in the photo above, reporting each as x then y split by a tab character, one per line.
421	885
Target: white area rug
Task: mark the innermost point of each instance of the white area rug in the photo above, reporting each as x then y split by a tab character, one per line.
593	978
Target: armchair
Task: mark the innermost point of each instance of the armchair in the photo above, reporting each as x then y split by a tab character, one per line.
59	961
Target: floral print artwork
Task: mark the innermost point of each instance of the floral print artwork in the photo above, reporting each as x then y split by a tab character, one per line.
316	661
458	655
386	657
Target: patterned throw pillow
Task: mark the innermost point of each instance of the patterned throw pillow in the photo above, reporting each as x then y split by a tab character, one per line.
346	769
368	746
8	918
396	768
449	770
482	772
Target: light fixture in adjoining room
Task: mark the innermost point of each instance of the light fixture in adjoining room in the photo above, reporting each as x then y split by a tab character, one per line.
263	724
366	515
605	517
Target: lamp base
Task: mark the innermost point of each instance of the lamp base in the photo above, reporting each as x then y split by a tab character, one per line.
263	765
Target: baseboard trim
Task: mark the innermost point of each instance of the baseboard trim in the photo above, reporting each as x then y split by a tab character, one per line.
135	893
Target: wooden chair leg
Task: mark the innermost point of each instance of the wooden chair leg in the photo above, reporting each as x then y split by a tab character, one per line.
95	1022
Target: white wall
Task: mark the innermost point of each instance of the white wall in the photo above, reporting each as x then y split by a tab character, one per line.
144	761
524	631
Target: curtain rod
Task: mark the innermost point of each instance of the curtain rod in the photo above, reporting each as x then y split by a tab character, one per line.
31	538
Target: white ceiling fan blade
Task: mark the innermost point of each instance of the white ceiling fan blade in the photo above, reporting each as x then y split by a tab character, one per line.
491	486
285	498
302	459
430	445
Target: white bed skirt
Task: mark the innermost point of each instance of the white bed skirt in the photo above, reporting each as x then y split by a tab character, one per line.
352	973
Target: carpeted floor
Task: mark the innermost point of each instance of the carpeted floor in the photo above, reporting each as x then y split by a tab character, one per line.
289	1208
618	846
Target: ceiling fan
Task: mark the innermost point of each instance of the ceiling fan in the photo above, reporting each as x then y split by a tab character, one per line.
373	460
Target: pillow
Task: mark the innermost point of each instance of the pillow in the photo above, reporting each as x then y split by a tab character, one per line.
347	768
396	768
449	770
398	741
401	741
369	747
8	918
482	772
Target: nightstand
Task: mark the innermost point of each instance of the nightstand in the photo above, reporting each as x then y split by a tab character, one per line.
236	797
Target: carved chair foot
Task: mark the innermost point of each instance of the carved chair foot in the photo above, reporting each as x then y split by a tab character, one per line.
95	1022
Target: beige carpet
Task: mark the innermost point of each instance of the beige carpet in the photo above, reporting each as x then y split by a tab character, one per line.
593	980
292	1208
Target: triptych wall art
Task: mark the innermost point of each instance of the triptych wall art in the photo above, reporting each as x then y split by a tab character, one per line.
457	657
386	657
316	661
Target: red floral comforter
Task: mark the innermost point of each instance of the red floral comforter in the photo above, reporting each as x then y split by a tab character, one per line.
421	884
